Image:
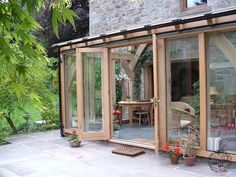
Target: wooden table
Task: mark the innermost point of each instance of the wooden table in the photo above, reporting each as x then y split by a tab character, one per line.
131	104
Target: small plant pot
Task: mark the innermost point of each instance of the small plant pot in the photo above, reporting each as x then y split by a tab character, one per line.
174	159
116	134
75	144
189	161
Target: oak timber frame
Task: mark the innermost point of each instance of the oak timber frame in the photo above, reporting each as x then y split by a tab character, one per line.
158	36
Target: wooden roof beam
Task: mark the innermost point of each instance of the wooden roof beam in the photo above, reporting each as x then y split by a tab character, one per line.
209	19
225	46
122	56
127	68
139	52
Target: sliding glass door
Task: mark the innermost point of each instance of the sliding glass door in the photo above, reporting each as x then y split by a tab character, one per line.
183	102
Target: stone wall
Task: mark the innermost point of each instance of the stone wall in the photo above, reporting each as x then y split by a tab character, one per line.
110	15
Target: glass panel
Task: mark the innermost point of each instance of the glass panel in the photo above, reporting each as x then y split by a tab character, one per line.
193	3
70	91
92	84
132	91
222	91
183	87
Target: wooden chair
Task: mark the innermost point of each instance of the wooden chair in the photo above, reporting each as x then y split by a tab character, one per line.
143	115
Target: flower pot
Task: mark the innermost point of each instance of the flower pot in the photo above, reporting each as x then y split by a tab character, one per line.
188	161
174	159
116	134
75	144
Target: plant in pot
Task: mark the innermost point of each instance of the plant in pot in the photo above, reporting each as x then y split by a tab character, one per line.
116	128
189	144
73	139
174	152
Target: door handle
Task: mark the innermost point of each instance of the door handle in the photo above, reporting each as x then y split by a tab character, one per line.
155	101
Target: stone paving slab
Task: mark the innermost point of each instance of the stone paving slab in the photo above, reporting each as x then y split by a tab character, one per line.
46	154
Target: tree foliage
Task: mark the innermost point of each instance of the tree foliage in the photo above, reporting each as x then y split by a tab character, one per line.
23	58
65	32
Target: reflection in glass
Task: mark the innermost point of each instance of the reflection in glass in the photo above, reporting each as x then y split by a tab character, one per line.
221	91
183	87
70	91
193	3
92	84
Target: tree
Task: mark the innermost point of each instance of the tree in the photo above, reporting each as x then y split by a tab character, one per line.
23	59
65	32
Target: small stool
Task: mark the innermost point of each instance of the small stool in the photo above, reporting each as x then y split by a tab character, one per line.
118	114
142	114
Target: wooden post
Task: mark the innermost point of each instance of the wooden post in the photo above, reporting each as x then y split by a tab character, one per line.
203	94
106	93
63	90
80	100
156	92
162	91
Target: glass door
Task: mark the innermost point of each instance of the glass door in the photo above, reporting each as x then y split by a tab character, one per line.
69	70
93	93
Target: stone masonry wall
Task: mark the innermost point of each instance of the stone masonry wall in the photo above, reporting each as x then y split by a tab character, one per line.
110	15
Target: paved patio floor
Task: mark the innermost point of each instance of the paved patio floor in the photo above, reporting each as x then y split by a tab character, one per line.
46	154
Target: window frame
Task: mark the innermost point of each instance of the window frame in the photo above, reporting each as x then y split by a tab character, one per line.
195	8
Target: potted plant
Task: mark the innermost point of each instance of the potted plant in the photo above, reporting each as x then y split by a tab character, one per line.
174	152
116	128
73	139
189	144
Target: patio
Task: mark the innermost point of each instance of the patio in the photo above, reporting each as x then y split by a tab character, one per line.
47	154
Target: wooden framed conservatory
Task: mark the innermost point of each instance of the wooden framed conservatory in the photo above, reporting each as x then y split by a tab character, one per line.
193	66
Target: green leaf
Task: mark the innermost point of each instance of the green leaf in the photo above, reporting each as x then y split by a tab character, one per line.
18	89
70	15
21	69
54	22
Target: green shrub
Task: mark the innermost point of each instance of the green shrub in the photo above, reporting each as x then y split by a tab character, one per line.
23	127
46	127
50	114
3	136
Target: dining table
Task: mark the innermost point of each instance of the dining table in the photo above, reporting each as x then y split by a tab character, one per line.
136	104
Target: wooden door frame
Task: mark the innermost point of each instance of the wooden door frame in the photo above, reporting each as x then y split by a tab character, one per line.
63	89
105	135
156	94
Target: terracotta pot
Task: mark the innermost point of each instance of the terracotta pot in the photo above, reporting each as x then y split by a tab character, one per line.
188	161
174	159
75	144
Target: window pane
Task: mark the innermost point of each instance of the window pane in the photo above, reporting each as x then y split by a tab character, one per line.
70	91
92	83
183	87
193	3
222	91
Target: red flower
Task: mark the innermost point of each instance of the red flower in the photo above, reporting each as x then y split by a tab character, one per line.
176	150
166	147
73	132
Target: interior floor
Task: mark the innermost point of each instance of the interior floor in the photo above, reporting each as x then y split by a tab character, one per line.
144	134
